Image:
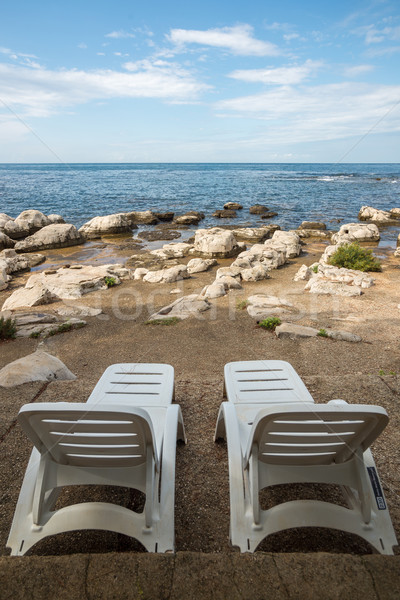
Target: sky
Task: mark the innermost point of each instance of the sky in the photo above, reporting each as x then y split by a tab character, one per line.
212	81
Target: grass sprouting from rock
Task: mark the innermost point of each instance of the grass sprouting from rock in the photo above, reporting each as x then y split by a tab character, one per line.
352	256
270	323
110	281
322	333
8	329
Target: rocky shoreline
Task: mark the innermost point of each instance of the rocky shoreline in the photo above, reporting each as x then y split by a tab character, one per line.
197	304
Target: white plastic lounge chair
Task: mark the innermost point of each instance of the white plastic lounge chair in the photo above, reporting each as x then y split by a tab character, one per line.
300	442
125	435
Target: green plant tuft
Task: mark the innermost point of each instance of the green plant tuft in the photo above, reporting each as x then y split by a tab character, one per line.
270	323
8	329
110	281
381	372
322	333
314	268
168	321
242	304
35	334
352	256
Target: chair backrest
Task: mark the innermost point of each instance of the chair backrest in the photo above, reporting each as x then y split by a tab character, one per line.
79	434
270	381
315	433
140	384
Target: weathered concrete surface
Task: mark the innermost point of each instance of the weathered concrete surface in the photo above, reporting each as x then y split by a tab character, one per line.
197	576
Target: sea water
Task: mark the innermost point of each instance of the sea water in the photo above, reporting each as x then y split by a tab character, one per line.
297	192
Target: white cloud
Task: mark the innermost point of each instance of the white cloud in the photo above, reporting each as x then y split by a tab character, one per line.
322	112
357	70
120	34
375	35
280	76
238	39
41	92
82	46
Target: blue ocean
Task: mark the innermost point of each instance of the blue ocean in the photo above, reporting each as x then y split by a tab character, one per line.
297	192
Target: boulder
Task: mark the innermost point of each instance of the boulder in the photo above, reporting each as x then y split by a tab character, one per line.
168	275
4	277
12	262
269	215
257	272
320	234
394	213
226	213
109	224
165	216
293	332
4	219
215	243
233	206
64	284
33	295
318	285
198	265
255	234
78	310
258	209
290	240
190	218
343	336
28	222
230	283
183	308
262	306
38	366
214	290
368	213
303	274
51	236
174	250
318	225
232	271
55	219
159	234
5	241
342	275
139	273
356	232
145	217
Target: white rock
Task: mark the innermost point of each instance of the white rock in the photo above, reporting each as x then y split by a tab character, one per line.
215	243
394	213
146	217
78	310
183	308
173	250
356	232
34	295
231	271
254	234
343	336
291	240
352	276
5	241
26	223
293	332
51	236
54	219
198	265
38	366
261	306
318	285
303	274
368	213
4	219
108	224
256	273
12	262
230	283
139	273
214	290
63	284
169	275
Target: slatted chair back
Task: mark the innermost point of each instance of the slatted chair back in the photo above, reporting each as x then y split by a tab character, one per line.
315	434
81	435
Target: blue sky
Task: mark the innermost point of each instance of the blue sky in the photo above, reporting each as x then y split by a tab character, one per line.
214	81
